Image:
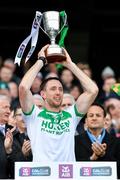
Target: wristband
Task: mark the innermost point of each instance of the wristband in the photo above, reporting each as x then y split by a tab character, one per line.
43	59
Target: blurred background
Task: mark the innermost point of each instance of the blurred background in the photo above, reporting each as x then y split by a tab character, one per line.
93	36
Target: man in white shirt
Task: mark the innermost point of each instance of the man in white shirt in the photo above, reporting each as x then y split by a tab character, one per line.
51	131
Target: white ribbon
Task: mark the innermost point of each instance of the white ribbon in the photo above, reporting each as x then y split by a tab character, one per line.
34	35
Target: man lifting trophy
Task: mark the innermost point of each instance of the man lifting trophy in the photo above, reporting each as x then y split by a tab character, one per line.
50	127
52	23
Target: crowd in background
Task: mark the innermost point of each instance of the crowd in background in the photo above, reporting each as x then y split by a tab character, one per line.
21	149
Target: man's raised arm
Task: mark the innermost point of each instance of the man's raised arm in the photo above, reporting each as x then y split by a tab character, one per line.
25	95
89	87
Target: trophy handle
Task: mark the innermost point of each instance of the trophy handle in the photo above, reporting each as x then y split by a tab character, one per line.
65	20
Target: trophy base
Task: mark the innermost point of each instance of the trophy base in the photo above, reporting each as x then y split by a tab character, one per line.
55	57
55	53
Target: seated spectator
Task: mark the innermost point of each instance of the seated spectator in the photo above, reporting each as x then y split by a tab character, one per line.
96	144
6	139
38	100
21	147
68	100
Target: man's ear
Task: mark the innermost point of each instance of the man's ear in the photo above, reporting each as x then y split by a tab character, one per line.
43	95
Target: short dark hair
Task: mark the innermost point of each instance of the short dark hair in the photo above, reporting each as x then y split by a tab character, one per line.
45	81
101	106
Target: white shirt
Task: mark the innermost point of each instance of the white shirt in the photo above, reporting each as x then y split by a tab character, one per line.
52	134
2	128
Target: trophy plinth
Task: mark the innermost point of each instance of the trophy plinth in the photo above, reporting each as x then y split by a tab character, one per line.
54	53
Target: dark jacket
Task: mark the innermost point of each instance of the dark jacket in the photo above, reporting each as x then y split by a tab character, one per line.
4	163
83	149
17	155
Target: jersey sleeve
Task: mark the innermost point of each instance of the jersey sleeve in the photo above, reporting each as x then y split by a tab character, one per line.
30	119
76	116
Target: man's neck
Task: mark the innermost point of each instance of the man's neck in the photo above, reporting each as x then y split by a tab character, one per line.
95	132
52	109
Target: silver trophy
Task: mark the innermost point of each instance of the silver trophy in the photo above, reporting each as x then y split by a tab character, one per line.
51	24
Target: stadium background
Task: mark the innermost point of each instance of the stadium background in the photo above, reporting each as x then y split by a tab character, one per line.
93	36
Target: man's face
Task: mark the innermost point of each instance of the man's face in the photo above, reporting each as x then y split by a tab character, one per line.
4	111
19	120
53	93
39	102
67	101
95	117
6	74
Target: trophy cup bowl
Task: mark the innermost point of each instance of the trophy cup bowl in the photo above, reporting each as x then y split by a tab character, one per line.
51	24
